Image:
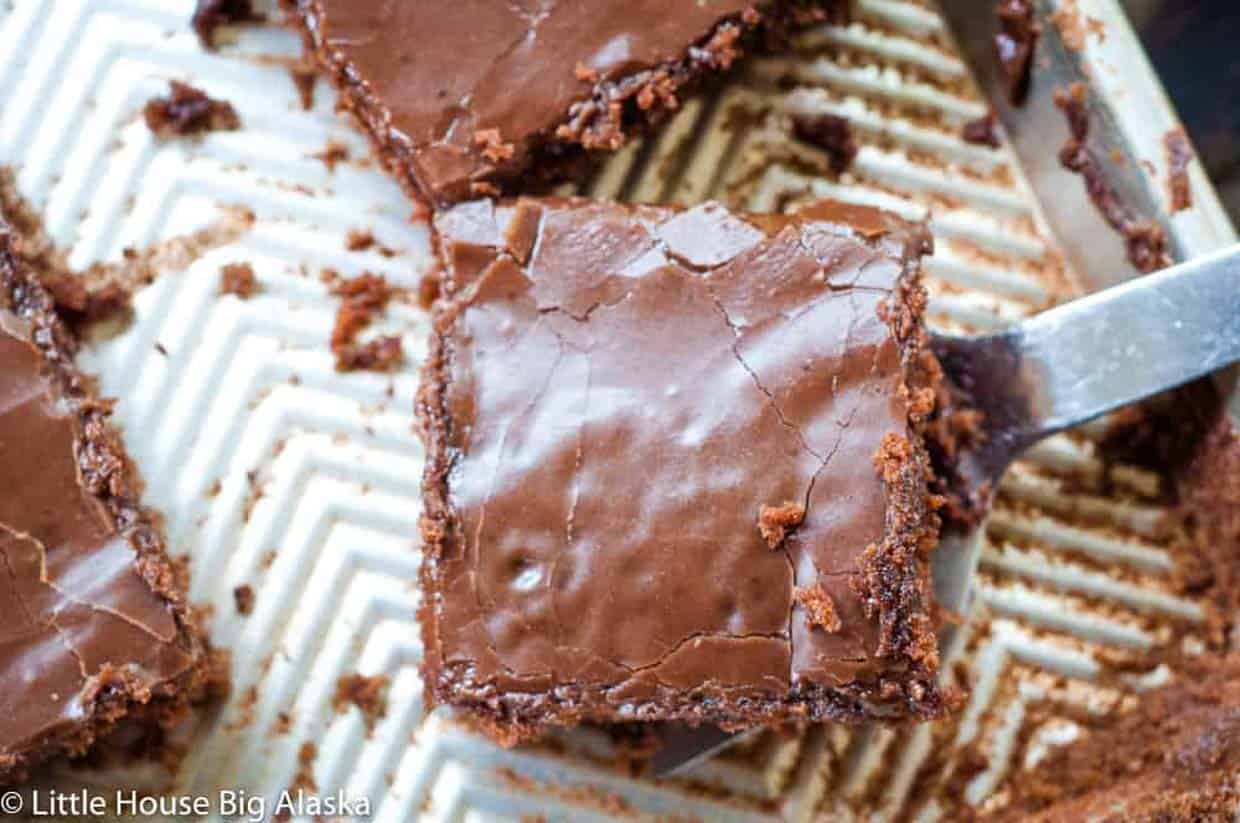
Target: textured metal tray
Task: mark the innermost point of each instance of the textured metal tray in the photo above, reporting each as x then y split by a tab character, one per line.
275	471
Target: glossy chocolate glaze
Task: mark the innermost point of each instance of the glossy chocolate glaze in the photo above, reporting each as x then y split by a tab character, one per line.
463	100
92	623
613	397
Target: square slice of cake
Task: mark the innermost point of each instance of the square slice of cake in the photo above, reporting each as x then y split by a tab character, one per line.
96	627
675	468
462	99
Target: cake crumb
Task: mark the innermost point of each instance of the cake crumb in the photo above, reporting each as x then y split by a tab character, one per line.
774	522
188	111
367	692
283	724
364	296
304	78
304	779
982	131
246	702
819	607
333	153
243	596
217	685
1015	44
428	289
380	354
493	146
359	240
893	452
831	133
80	305
1179	155
209	14
238	279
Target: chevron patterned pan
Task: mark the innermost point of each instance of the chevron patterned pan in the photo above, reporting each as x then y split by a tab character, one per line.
276	472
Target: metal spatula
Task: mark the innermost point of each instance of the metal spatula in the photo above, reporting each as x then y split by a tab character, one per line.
1054	371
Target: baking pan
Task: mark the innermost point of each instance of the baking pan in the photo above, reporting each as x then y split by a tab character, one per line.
276	472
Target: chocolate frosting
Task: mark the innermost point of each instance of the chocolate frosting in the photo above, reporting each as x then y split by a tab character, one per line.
468	95
615	396
84	631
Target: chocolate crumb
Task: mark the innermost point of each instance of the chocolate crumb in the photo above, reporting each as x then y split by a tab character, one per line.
304	779
188	111
238	279
210	14
493	146
283	724
819	607
380	354
243	595
1179	155
428	289
80	305
1145	240
359	240
159	347
367	693
774	522
364	296
304	78
218	683
333	153
893	453
982	131
831	133
1015	43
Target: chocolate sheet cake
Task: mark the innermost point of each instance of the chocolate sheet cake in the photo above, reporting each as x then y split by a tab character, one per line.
675	467
532	87
96	627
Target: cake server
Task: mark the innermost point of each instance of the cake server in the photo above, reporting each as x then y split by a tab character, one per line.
1054	371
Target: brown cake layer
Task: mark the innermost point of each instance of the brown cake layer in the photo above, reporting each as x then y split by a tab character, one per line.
675	468
95	625
1175	757
463	98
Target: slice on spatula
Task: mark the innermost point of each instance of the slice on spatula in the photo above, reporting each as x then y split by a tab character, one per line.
676	469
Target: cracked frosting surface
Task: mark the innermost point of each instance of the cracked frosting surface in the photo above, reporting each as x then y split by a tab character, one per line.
519	71
615	395
80	624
